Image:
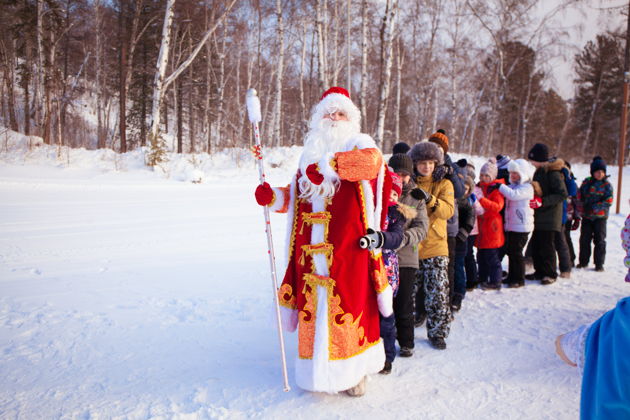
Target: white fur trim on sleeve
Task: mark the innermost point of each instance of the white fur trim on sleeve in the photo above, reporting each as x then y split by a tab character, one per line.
360	141
279	199
385	301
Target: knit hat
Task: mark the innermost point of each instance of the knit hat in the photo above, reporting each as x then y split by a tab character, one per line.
539	153
396	182
401	163
439	137
502	161
597	164
400	147
490	168
426	151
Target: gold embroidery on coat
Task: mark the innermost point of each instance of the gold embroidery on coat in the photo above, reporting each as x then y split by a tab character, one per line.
322	217
320	248
306	330
286	296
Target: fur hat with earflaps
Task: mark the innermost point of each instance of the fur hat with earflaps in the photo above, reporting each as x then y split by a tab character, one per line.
426	150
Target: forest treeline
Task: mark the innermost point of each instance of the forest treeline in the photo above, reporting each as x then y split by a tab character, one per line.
123	73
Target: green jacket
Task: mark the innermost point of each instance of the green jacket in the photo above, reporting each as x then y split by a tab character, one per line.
549	184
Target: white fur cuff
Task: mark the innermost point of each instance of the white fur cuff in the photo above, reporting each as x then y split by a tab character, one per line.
278	202
289	318
385	301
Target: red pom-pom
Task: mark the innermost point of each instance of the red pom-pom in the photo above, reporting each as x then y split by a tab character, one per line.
264	194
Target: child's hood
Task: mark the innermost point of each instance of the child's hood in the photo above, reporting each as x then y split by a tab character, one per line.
523	168
408	212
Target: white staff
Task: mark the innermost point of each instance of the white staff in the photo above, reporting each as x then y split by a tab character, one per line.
253	111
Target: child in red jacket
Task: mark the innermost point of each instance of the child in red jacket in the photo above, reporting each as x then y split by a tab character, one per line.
490	238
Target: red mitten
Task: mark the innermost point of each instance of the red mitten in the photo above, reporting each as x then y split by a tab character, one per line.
264	194
536	202
313	174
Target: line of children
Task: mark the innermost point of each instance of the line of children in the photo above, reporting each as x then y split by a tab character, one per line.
415	245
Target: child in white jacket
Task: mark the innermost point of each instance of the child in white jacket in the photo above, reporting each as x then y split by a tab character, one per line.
519	218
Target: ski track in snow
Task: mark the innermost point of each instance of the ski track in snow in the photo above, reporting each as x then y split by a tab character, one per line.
132	297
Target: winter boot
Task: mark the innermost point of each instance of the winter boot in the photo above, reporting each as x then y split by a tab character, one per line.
547	280
490	286
516	284
565	274
358	390
599	268
437	343
533	276
456	302
387	369
405	352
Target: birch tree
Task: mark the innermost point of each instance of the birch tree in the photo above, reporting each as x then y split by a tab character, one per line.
160	83
389	24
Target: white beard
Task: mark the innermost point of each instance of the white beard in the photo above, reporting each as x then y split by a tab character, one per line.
324	139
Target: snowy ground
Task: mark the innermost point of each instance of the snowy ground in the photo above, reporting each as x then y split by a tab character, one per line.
132	294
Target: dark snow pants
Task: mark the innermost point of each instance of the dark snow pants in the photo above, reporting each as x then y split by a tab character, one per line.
489	266
544	253
567	236
388	334
403	307
593	230
562	248
514	244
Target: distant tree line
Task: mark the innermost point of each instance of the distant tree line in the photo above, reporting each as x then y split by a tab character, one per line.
121	74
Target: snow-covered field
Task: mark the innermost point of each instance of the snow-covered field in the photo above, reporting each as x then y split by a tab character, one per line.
141	295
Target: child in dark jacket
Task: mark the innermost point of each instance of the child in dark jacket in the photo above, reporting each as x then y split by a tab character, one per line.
389	238
416	226
466	221
594	200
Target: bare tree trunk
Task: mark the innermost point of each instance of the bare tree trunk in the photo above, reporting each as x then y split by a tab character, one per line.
591	117
179	101
388	25
400	59
39	79
277	117
122	67
303	118
349	46
364	54
98	17
158	147
191	99
8	50
321	48
335	68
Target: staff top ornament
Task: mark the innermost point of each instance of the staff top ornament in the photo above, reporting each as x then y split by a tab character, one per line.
253	106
